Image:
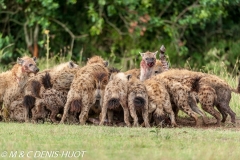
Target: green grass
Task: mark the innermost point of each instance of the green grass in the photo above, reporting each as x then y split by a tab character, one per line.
121	143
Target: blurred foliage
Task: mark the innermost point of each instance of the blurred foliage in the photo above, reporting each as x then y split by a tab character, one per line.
197	31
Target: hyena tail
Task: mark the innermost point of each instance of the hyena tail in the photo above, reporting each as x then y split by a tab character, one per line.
113	103
195	84
46	81
29	102
139	102
163	58
76	106
35	89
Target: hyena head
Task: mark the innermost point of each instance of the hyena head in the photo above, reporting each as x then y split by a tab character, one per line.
158	68
149	58
97	59
101	80
28	64
65	66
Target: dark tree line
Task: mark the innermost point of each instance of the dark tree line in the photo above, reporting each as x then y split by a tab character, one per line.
194	31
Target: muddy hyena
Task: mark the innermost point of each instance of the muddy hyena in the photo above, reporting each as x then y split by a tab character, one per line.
87	88
13	81
138	100
54	83
57	86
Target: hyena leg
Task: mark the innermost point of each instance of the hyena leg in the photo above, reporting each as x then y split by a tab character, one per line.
175	109
227	109
65	112
224	114
168	109
70	98
213	112
126	113
145	115
54	112
180	96
133	111
206	98
159	115
84	113
103	112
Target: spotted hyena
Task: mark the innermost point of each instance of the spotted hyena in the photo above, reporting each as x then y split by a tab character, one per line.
54	87
138	100
13	81
158	67
159	102
115	98
87	88
56	80
211	91
147	64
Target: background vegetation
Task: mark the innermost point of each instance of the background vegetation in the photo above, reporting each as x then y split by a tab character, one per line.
199	32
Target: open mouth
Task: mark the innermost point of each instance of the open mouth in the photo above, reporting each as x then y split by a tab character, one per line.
150	64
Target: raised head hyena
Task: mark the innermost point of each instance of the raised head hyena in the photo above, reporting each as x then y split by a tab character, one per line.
115	97
13	81
56	80
138	100
159	100
87	87
158	66
147	65
211	90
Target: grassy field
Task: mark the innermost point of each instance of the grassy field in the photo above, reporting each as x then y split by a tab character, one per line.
117	143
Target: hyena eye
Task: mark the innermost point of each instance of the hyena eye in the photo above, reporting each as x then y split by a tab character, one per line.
147	58
105	82
30	65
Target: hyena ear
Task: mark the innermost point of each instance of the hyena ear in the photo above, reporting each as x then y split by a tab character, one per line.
111	77
129	76
105	63
155	53
71	64
20	61
35	59
142	54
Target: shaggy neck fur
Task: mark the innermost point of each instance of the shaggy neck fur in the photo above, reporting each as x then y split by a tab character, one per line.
146	71
19	74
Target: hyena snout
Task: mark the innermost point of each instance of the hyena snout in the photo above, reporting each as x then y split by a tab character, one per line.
150	62
98	97
98	94
33	69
